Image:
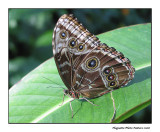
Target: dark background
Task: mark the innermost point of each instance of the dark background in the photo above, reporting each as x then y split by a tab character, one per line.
30	37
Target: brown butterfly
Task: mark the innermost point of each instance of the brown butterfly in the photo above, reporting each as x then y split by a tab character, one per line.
87	67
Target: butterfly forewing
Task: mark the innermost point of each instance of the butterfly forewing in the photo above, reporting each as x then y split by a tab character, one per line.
86	65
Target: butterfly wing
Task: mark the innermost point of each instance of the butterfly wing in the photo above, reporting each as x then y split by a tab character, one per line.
85	64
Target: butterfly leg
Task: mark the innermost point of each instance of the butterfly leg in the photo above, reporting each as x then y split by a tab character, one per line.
114	114
71	107
62	101
88	101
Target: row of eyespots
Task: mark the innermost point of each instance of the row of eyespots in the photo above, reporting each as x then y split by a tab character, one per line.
91	63
110	77
72	42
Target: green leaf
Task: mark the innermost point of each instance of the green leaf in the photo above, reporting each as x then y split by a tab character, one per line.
36	99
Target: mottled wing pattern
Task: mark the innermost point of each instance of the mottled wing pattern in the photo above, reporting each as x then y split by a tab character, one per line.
86	65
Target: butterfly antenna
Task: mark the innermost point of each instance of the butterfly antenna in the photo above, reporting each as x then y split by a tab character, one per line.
54	82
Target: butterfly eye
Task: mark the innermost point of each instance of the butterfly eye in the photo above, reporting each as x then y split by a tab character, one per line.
111	77
92	63
107	71
72	43
66	91
81	47
63	34
112	84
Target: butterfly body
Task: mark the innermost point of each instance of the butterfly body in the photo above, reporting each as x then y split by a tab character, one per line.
87	67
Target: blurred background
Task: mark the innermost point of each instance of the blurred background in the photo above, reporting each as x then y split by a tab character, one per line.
30	37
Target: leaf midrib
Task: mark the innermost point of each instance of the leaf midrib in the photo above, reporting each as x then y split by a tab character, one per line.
50	111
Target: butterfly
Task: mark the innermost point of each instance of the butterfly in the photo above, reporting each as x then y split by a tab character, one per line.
88	68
